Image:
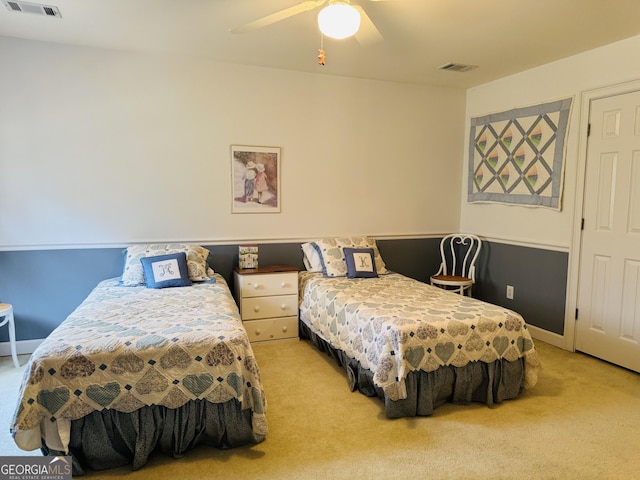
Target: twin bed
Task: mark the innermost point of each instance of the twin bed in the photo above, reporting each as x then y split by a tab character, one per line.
136	369
413	345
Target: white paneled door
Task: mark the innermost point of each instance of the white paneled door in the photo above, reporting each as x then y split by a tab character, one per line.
608	323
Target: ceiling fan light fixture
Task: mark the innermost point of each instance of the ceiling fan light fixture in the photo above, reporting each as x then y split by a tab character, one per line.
339	20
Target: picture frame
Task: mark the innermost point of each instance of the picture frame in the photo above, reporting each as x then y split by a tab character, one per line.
255	179
248	256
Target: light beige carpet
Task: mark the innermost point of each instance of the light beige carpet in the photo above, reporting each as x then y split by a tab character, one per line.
582	421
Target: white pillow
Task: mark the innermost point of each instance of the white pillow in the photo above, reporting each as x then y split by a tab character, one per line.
311	258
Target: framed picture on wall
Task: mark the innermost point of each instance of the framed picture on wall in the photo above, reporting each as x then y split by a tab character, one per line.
255	179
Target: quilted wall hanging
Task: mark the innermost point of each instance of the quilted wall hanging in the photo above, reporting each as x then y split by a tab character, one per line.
517	156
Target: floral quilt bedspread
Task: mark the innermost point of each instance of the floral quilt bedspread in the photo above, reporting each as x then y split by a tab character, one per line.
394	325
127	347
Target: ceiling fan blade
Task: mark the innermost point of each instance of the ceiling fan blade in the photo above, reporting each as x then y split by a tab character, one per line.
368	34
276	17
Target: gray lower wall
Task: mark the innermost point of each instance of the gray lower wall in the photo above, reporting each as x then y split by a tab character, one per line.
45	286
539	278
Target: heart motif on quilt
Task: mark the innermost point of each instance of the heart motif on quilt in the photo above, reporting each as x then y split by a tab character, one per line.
333	327
258	400
152	381
219	394
500	344
152	340
77	366
103	396
342	317
176	329
175	357
236	381
474	343
407	308
127	362
445	350
414	356
463	316
52	400
131	332
456	328
525	344
197	384
467	302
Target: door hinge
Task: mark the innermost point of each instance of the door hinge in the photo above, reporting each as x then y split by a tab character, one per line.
576	314
582	224
588	129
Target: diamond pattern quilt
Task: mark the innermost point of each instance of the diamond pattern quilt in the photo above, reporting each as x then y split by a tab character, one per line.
517	156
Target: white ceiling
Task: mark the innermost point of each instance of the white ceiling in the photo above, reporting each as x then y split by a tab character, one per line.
502	37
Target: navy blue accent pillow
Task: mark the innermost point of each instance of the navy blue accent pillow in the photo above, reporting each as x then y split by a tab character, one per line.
166	270
360	262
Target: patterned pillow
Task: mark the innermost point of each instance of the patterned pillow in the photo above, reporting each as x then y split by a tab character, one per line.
133	274
360	262
166	270
332	255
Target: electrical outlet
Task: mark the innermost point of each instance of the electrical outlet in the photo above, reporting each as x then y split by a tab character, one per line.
510	292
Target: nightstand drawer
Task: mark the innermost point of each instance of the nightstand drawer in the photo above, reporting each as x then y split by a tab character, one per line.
263	285
269	307
272	329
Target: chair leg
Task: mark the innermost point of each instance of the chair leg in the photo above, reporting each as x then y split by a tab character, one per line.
12	340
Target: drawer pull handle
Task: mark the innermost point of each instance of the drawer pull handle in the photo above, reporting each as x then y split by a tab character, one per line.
256	286
283	284
283	306
257	331
284	329
256	308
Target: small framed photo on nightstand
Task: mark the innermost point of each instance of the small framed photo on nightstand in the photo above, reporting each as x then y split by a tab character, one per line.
248	256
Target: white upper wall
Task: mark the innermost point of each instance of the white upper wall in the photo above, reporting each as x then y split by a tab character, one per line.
102	147
571	77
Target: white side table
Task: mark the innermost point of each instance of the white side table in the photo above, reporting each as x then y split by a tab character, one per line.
268	299
6	311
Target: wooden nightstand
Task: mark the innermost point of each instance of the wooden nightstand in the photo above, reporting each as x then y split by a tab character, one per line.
268	298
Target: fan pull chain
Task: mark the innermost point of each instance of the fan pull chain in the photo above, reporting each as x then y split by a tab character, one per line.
321	53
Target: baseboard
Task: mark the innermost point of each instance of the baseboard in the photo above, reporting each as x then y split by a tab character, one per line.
23	347
546	336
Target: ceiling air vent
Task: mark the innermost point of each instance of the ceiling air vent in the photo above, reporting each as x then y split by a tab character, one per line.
457	67
28	7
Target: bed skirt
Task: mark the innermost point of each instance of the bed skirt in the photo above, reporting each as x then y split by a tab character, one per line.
488	383
111	439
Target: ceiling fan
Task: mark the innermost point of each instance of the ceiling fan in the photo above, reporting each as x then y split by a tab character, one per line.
366	32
